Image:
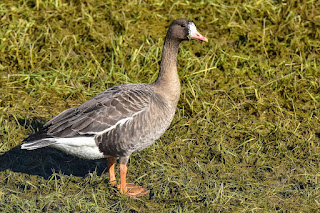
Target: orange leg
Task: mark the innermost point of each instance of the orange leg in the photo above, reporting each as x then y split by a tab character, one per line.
123	176
111	164
129	189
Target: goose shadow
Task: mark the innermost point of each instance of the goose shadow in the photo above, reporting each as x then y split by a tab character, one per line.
45	161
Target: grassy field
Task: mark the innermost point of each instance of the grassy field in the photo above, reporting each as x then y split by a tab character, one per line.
246	135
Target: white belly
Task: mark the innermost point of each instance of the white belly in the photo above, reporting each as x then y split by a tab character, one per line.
82	147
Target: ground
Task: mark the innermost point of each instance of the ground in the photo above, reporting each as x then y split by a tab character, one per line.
246	135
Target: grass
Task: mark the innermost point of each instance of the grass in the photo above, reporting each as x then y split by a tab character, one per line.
245	137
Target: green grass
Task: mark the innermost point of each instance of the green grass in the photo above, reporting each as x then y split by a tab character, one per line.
246	134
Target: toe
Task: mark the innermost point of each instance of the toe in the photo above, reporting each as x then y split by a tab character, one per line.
137	192
134	191
113	183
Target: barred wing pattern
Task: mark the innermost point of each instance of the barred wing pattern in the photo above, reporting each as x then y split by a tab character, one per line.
96	116
102	112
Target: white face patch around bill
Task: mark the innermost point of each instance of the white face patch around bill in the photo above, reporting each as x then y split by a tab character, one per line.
191	29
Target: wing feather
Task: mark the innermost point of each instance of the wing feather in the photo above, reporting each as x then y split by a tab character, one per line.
101	112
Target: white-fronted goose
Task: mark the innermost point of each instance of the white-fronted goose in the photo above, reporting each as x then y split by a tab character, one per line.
122	119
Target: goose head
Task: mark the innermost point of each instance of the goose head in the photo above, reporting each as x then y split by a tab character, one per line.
184	29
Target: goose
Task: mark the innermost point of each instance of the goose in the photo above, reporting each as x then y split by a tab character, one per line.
123	119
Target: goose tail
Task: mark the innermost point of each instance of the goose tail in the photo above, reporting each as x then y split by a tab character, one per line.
37	144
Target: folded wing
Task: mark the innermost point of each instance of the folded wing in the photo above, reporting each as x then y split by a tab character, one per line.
99	114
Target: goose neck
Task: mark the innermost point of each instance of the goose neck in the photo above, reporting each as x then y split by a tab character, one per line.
167	83
168	65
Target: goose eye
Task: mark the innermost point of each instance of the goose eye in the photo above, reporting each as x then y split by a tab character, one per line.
183	25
